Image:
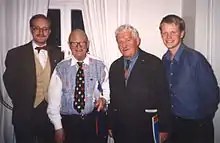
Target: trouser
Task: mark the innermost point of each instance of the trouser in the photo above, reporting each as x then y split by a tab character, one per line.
82	129
38	129
192	131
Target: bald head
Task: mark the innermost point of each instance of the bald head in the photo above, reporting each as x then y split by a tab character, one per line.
78	33
78	42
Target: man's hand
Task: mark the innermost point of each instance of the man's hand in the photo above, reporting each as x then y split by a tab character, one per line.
163	136
59	136
100	104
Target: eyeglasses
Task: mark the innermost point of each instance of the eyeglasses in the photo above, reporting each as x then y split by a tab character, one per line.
76	44
37	29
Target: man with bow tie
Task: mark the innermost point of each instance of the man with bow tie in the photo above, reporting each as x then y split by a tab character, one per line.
27	76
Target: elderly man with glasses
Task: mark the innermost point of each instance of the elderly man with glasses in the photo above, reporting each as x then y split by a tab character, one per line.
78	94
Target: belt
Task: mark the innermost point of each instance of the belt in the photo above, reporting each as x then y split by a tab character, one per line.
81	116
94	114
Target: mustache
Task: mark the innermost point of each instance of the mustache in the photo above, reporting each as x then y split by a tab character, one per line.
41	35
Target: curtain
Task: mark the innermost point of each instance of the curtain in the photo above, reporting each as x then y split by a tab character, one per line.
14	27
214	33
213	52
101	22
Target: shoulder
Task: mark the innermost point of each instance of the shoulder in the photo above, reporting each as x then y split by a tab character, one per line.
64	63
19	50
193	56
149	58
117	62
96	60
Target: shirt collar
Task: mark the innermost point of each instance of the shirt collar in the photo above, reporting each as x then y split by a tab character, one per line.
177	55
74	60
132	58
34	45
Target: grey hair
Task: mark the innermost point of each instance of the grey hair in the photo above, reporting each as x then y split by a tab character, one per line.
126	27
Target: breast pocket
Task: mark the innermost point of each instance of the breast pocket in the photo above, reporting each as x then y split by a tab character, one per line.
90	84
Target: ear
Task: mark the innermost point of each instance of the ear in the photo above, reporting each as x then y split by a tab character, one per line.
31	30
138	40
88	42
49	32
182	34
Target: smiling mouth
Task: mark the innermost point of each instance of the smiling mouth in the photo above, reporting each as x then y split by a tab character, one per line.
168	42
124	50
79	51
41	37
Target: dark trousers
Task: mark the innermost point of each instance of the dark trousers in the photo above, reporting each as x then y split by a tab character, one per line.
192	131
82	129
38	129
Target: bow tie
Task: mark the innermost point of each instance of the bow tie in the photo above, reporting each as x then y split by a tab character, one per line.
41	48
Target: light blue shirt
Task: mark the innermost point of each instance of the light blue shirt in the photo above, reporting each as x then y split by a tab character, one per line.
132	62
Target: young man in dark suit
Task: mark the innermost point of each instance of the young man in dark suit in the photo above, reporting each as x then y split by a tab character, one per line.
27	76
138	91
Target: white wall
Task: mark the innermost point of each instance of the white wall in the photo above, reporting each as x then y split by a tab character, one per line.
146	15
216	58
189	16
202	20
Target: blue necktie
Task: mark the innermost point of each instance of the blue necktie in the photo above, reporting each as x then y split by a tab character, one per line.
126	71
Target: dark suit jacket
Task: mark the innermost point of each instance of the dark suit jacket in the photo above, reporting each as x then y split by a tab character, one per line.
20	78
147	88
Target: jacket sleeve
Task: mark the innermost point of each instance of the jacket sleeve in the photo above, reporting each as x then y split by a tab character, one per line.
163	99
9	76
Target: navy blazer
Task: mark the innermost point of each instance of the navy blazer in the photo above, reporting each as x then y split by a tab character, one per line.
146	89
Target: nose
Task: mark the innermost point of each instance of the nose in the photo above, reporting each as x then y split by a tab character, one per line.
169	35
79	47
123	44
41	32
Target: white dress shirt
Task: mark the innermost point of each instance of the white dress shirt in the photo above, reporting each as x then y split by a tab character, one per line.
42	55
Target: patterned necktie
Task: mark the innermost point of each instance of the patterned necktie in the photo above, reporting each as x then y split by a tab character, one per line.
79	102
126	74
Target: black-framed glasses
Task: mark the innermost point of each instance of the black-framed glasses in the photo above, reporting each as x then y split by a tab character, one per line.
37	29
76	44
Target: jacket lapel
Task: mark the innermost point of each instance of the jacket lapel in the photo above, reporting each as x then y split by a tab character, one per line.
52	58
29	64
136	68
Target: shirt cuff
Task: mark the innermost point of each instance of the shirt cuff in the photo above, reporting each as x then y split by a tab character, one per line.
58	125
